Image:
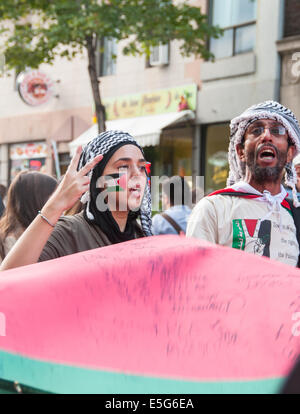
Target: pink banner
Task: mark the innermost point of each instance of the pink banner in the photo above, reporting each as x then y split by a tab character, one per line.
163	306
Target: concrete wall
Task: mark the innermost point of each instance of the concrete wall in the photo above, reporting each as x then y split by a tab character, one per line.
61	117
72	87
132	75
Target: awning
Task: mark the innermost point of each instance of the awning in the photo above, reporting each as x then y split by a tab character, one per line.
145	129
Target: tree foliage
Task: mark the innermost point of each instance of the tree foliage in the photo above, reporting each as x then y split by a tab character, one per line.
36	31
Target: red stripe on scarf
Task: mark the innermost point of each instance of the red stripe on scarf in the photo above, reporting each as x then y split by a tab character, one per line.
231	190
284	203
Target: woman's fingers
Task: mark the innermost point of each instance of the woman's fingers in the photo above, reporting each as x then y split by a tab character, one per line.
87	168
75	183
85	188
90	165
78	185
85	180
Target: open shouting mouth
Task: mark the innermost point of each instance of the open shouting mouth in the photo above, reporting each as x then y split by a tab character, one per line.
267	154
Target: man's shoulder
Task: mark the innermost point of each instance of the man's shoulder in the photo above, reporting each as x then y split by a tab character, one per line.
232	192
218	202
213	197
228	194
207	205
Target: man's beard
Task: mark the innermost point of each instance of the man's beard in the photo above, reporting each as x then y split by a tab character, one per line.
266	174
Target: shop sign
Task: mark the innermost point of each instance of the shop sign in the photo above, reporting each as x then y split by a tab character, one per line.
152	103
28	150
35	87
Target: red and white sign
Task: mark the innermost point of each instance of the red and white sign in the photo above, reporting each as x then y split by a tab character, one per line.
28	150
35	87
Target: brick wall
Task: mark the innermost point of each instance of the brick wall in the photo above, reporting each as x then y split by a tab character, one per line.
292	18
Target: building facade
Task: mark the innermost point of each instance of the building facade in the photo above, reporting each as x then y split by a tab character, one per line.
35	132
289	49
178	108
30	124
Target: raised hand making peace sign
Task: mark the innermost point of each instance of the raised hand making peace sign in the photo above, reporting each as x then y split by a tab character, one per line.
73	185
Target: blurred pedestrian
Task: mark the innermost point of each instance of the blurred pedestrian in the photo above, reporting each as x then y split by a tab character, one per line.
176	201
27	194
110	177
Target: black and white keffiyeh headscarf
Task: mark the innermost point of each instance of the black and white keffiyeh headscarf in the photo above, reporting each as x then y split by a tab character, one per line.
106	144
238	126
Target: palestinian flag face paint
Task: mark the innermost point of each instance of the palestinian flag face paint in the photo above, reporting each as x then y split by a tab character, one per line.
148	171
113	182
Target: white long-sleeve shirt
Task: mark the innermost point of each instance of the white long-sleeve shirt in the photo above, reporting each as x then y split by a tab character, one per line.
246	224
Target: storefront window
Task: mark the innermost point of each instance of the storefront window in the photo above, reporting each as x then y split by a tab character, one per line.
216	157
173	156
27	156
64	161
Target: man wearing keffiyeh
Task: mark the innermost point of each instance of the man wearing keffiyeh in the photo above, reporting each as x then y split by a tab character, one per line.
253	213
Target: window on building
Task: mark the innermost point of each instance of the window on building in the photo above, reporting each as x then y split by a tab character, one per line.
27	156
106	57
160	56
238	19
216	157
291	18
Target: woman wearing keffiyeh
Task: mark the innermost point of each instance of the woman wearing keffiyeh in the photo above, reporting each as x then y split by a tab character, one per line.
110	178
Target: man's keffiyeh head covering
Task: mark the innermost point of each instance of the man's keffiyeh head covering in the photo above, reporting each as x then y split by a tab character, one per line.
107	143
238	126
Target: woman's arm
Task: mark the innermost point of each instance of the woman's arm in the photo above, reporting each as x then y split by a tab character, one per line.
29	246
